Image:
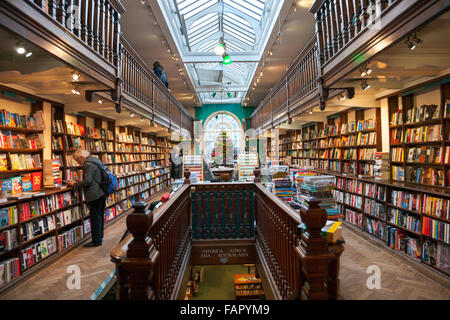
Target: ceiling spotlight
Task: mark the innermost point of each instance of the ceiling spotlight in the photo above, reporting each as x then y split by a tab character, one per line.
20	48
29	54
365	85
142	119
131	114
100	101
310	111
76	76
365	70
270	53
342	96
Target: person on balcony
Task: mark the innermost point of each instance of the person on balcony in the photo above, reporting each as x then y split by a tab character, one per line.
160	73
95	197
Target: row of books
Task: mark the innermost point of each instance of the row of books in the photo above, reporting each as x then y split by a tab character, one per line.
9	270
374	208
10	140
66	217
26	182
376	228
38	251
375	191
353	200
406	200
429	155
70	237
44	205
12	119
422	113
367	154
99	146
423	134
8	216
436	229
404	219
438	207
34	228
429	176
8	239
416	114
400	240
75	129
353	217
96	133
20	161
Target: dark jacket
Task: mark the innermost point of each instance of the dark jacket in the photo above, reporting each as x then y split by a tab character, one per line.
92	176
161	74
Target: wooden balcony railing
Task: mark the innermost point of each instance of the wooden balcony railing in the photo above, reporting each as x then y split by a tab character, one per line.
141	84
96	23
223	211
151	262
300	81
338	22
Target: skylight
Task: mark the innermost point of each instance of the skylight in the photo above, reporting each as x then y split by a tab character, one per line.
197	27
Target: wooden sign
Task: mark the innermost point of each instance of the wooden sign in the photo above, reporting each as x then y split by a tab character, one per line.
223	252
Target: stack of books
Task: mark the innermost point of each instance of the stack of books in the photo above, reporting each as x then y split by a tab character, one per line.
319	188
381	167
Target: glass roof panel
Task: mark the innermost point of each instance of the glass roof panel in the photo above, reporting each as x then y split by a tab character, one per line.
245	7
203	21
244	28
196	6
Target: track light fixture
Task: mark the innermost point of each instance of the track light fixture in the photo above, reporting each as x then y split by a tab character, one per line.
413	41
76	89
365	70
100	101
341	97
22	50
365	85
310	111
131	114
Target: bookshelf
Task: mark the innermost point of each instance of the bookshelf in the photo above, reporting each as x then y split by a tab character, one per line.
337	146
410	218
419	139
58	218
247	286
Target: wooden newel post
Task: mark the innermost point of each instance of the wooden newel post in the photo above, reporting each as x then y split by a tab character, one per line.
141	254
187	174
313	252
257	173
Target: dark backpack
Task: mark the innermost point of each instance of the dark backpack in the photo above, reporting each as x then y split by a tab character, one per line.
108	181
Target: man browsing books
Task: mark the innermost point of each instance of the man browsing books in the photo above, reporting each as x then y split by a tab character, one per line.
93	192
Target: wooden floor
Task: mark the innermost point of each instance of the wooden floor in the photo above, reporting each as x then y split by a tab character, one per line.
399	280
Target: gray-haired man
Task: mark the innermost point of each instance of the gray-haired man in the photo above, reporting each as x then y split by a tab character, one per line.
94	195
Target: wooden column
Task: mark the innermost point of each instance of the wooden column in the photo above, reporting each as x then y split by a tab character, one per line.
257	173
136	270
314	255
187	174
